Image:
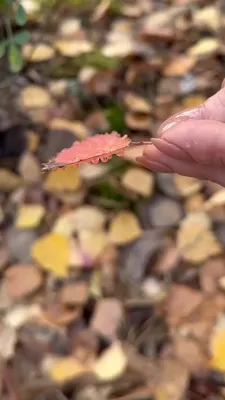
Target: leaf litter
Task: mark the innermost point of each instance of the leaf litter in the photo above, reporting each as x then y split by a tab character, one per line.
112	277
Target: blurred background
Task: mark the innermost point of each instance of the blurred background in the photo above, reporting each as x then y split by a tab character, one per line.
112	277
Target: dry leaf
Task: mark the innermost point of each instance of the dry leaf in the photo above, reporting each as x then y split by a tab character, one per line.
210	273
64	369
58	88
77	127
136	103
187	186
20	314
93	243
8	180
190	352
179	65
66	179
195	240
182	301
51	251
8	339
34	97
33	140
139	181
72	48
216	200
38	52
217	349
29	168
204	47
56	314
69	27
22	280
193	101
137	121
91	172
173	379
124	228
207	17
107	318
194	203
111	364
74	293
86	217
29	216
95	288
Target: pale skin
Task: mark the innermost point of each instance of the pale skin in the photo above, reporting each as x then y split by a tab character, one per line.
192	142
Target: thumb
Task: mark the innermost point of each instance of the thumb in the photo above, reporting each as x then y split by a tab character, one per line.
212	109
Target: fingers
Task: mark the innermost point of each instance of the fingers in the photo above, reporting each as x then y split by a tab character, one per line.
161	162
201	141
212	109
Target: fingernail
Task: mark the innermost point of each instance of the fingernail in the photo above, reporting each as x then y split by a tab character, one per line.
169	149
190	113
153	165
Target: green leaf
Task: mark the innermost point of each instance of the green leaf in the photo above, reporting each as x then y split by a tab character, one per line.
21	37
2	49
21	17
115	116
15	58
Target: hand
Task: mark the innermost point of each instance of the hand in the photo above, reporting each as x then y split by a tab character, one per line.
192	142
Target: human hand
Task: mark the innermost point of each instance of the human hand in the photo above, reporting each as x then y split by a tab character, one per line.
192	142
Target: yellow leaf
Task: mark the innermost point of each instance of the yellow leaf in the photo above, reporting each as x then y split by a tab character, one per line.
93	242
51	251
193	101
195	240
83	218
216	200
65	369
34	97
77	127
136	103
187	186
207	17
124	228
95	288
8	180
66	179
38	52
204	47
71	48
29	216
217	346
138	181
111	364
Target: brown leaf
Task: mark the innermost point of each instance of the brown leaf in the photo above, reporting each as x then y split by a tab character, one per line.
22	280
74	293
107	317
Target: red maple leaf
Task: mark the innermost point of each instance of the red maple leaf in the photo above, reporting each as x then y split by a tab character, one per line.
94	149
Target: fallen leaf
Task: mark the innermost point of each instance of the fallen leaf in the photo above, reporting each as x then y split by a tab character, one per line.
138	121
216	200
20	314
67	368
210	273
22	280
72	48
66	179
138	181
204	47
29	168
51	251
8	339
58	88
179	65
95	288
77	127
207	17
107	317
173	378
124	228
8	180
74	293
217	349
187	186
91	172
34	97
189	102
190	352
29	216
38	52
111	364
86	217
69	27
195	240
55	313
181	302
194	203
136	103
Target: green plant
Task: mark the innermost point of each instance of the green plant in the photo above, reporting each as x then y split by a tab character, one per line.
11	43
